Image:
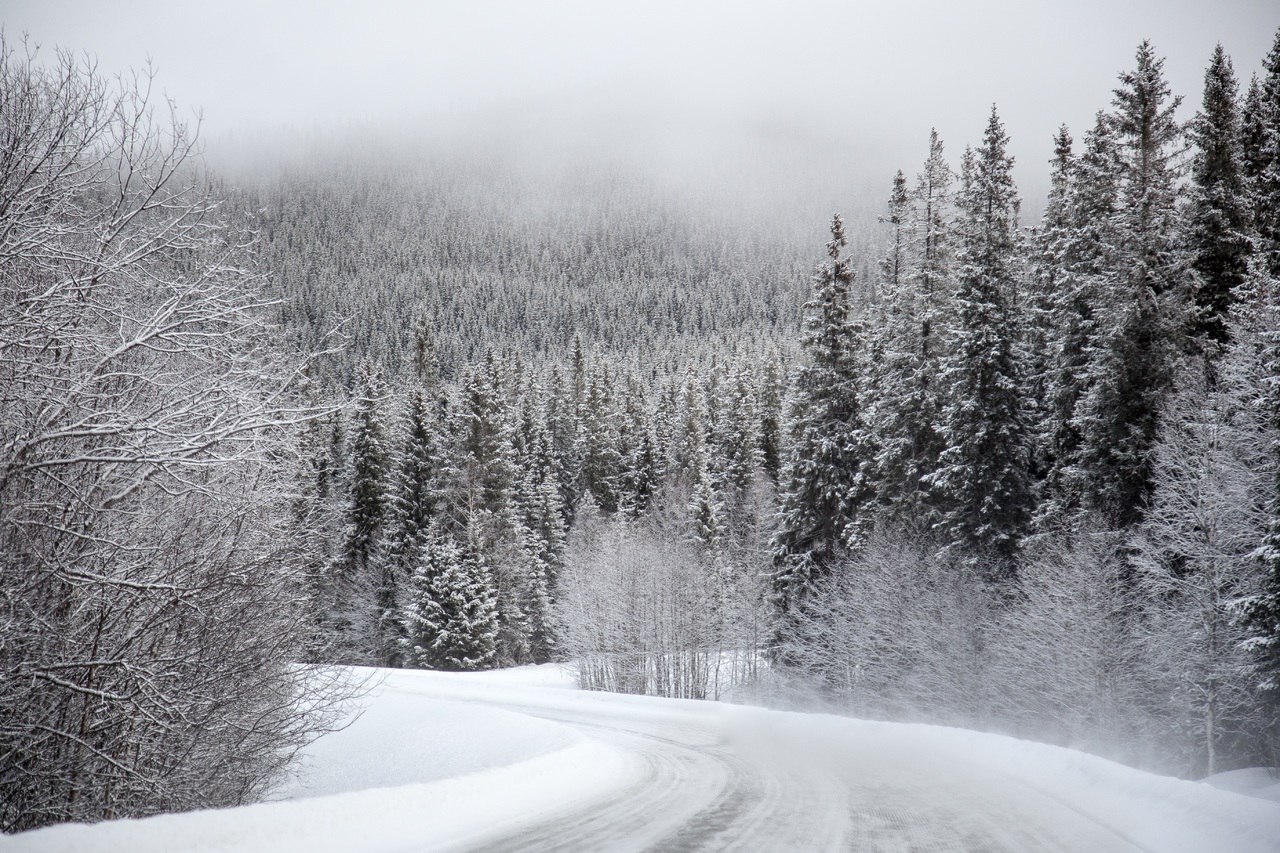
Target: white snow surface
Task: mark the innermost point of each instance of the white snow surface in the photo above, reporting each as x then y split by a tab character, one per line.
1260	782
520	760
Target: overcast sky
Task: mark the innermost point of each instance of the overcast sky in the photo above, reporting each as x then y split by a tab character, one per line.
853	85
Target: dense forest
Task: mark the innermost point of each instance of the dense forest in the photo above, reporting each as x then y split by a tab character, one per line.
423	413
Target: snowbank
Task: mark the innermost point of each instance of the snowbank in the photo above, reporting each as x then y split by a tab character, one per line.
1259	782
401	737
437	815
412	769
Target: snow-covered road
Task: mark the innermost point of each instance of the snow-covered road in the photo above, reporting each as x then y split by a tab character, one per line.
518	760
715	777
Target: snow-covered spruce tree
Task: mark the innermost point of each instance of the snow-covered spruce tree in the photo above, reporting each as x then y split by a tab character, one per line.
909	344
1254	362
1258	335
1219	227
542	522
690	429
482	501
826	487
451	619
1253	134
638	461
1077	269
1261	157
738	442
416	498
893	266
1131	371
1041	288
413	502
601	461
983	479
665	407
364	586
1043	285
151	585
771	394
426	359
562	424
706	512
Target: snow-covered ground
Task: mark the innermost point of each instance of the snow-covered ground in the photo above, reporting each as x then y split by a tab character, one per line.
1255	781
519	760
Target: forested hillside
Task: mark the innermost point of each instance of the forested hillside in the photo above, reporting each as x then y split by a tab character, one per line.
493	256
993	473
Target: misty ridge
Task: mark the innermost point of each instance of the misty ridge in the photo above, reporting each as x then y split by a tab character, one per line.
554	381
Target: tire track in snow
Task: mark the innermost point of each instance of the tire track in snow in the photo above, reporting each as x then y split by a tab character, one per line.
699	791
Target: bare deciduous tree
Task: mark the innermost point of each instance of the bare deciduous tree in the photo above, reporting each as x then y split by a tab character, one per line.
150	598
643	609
1212	478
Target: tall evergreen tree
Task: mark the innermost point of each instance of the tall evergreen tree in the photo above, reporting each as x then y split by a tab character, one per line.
826	482
369	465
1042	318
426	360
362	570
1253	135
932	207
1047	260
1219	217
983	476
638	472
665	416
482	502
738	441
1262	157
706	512
543	524
1082	261
414	499
909	348
601	460
771	393
1150	137
690	429
563	426
893	266
1131	370
1257	348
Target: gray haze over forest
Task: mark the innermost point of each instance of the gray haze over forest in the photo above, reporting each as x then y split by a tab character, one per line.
822	98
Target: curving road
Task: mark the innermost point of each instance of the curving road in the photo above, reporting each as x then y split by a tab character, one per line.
718	778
